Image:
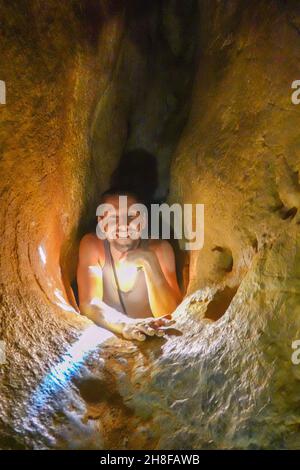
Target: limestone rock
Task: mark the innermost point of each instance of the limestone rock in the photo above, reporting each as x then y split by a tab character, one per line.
207	88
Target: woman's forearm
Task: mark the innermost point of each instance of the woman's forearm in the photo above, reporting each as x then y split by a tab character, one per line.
163	300
103	315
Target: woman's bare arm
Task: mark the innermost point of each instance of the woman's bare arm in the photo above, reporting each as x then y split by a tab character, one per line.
158	264
90	291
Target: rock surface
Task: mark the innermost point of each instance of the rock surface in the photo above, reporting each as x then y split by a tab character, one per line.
80	76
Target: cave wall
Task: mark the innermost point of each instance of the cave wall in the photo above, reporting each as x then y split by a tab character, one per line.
223	384
242	145
57	60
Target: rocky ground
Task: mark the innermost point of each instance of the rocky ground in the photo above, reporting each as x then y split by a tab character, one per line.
206	87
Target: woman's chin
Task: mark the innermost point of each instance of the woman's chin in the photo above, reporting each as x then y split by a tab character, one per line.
124	244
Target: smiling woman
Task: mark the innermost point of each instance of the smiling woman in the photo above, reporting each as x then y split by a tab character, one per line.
152	290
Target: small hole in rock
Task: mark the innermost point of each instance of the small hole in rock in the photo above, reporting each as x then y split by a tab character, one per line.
224	261
289	214
95	390
220	303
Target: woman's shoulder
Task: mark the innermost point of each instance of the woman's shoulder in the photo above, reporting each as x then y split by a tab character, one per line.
158	244
90	243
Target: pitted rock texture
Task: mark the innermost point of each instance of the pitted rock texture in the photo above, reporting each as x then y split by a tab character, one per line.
206	87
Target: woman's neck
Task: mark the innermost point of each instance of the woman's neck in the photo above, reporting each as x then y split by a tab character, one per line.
116	254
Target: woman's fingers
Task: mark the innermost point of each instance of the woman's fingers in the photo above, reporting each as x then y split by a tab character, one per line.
138	335
150	330
156	323
132	332
169	322
147	329
159	333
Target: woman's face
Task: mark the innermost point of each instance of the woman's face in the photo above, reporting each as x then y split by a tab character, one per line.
121	223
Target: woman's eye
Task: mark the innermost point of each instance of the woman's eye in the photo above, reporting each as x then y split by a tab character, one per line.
131	217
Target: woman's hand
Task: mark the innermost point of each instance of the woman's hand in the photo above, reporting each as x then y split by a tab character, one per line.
138	257
139	329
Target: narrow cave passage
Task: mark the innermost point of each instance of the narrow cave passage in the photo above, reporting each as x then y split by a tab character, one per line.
137	171
151	95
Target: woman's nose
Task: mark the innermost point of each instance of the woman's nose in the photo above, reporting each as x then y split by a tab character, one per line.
122	230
